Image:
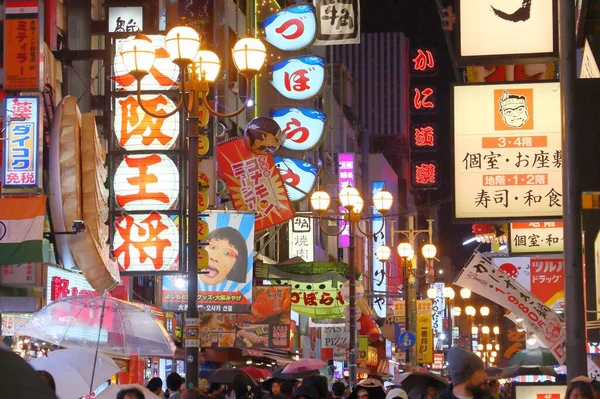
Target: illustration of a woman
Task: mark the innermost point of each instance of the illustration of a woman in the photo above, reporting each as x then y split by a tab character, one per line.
227	257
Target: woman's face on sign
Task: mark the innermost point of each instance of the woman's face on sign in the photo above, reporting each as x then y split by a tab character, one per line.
221	259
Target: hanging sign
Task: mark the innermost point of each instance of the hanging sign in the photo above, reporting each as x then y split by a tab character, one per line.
423	62
22	153
424	100
530	238
438	308
301	238
521	30
21	45
423	137
511	73
480	276
339	22
299	78
424	174
125	19
424	331
379	275
319	300
291	29
254	183
345	179
303	127
507	151
298	176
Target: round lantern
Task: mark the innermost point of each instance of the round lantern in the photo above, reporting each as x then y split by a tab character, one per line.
203	181
146	242
135	130
202	201
202	258
360	291
203	145
146	182
202	230
263	135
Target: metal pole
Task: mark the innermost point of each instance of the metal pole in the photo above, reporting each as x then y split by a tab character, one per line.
352	306
191	352
407	326
411	304
574	292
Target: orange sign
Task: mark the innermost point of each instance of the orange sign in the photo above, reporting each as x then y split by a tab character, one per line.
513	109
21	46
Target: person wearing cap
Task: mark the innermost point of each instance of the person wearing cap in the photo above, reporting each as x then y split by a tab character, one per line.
305	392
467	374
396	393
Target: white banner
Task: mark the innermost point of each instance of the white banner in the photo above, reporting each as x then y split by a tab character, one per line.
480	276
339	22
337	338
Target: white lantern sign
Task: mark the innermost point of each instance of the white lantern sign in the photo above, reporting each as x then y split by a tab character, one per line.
303	127
291	29
146	182
299	176
300	78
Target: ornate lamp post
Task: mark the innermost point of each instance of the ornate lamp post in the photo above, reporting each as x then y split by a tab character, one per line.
470	312
353	203
449	295
198	70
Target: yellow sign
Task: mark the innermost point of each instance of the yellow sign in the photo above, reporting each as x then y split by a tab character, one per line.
202	258
424	331
363	349
203	230
203	145
202	201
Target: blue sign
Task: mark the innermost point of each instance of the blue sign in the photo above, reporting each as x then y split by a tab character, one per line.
407	340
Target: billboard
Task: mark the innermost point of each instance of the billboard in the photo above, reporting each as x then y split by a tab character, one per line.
507	151
301	239
532	238
346	178
522	30
267	326
379	276
225	285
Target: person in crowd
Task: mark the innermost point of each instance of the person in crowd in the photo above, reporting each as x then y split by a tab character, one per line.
468	375
396	393
430	393
174	385
47	377
287	388
215	391
338	389
194	393
130	393
306	391
495	390
582	387
275	392
155	386
319	382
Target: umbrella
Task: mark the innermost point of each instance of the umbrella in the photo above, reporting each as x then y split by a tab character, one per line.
533	357
19	380
112	391
72	370
257	373
304	365
227	375
373	387
107	324
280	375
417	383
494	371
516	371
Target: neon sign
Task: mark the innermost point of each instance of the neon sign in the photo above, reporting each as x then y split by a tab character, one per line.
423	61
424	136
423	99
424	174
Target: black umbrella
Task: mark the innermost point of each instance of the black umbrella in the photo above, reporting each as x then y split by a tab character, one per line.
373	387
19	380
494	371
534	357
417	383
516	371
227	375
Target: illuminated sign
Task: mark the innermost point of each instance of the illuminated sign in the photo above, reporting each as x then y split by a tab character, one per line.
146	243
424	174
22	39
63	283
303	127
146	182
438	310
339	22
300	78
345	179
423	136
21	149
125	19
136	130
521	29
298	176
301	238
424	99
529	238
321	300
291	29
507	151
423	61
379	276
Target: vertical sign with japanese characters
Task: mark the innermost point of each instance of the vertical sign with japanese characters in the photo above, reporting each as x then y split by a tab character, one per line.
438	310
548	281
21	45
424	331
379	277
346	178
22	166
301	239
339	22
507	151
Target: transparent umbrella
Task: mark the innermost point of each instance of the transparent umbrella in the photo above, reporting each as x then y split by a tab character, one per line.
105	324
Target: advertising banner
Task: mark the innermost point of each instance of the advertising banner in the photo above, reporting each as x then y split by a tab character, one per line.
21	45
339	22
22	152
225	285
438	308
507	151
301	238
63	283
346	178
335	341
267	326
480	276
379	276
424	332
254	183
532	238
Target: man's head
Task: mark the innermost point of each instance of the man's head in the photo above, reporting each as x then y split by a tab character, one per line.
319	382
306	392
494	387
155	385
174	382
287	388
513	109
466	369
132	393
214	388
276	388
338	389
362	394
431	392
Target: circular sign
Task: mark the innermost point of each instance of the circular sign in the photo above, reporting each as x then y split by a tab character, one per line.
407	340
203	181
190	359
202	201
221	186
263	135
203	145
202	230
202	258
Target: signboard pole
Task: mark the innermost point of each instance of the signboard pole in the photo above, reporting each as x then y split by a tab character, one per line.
352	304
574	292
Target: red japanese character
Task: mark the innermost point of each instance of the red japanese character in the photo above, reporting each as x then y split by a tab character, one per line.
149	127
421	98
424	136
297	81
142	181
295	132
310	299
295	297
326	299
423	61
298	31
425	173
340	298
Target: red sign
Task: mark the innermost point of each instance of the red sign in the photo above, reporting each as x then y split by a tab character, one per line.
424	174
60	289
423	99
424	136
548	279
548	396
254	183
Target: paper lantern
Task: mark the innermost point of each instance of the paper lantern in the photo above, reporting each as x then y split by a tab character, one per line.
203	181
146	243
299	177
203	230
203	145
202	258
136	130
291	29
146	182
202	201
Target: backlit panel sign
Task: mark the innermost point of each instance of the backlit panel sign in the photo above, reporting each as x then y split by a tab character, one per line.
125	19
298	176
507	151
291	29
438	310
301	238
345	179
22	144
379	276
303	127
299	78
544	237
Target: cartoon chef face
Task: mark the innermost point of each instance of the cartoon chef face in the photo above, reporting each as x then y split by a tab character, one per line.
513	109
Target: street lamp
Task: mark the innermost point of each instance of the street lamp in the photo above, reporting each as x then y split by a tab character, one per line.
484	311
465	293
383	253
457	311
485	330
353	203
471	312
496	330
198	68
432	293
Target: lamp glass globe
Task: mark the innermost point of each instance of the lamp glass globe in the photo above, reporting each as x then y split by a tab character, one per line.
207	65
138	54
383	253
404	250
182	44
429	251
249	55
465	293
320	201
349	197
382	201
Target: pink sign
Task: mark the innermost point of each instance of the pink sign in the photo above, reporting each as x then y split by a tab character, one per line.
346	178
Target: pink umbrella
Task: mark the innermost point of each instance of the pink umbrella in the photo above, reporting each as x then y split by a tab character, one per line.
303	365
